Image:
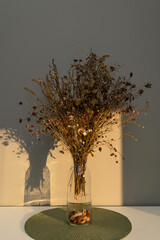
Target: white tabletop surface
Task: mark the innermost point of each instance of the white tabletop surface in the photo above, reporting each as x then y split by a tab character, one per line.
145	221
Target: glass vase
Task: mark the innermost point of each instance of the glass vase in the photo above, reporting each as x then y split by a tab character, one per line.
79	205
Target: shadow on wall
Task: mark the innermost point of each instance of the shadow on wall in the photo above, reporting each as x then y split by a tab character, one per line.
37	176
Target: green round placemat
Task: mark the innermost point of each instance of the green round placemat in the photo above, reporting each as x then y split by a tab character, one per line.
51	225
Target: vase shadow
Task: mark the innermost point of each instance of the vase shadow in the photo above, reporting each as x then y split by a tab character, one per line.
37	189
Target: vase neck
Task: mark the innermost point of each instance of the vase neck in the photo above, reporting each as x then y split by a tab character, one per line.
79	161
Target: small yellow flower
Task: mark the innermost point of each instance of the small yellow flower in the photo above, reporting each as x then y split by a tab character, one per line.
71	117
90	130
84	133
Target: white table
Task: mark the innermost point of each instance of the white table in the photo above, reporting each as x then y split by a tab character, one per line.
145	221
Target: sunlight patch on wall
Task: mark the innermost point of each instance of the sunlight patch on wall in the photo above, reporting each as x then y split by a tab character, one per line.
106	174
13	166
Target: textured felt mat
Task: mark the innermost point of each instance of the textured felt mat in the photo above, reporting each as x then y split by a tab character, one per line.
51	225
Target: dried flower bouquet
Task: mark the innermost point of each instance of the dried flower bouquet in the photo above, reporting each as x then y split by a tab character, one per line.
82	107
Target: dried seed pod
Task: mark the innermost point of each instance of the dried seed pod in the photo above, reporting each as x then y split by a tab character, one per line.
75	220
79	219
83	221
88	213
87	219
77	214
70	215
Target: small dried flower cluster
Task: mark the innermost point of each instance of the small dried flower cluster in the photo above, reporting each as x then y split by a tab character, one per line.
82	107
79	217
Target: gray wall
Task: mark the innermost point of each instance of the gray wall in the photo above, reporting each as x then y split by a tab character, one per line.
32	32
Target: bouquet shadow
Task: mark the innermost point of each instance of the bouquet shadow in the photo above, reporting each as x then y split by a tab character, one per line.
37	176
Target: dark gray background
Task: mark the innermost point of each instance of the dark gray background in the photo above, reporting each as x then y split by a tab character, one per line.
32	32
